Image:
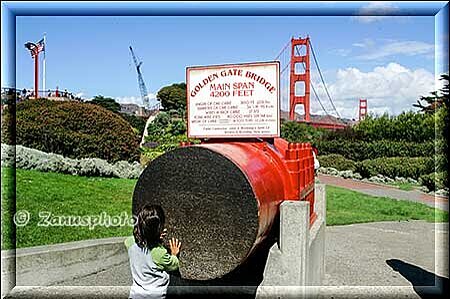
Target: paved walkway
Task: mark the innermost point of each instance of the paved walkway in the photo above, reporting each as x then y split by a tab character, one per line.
364	254
383	259
386	191
408	258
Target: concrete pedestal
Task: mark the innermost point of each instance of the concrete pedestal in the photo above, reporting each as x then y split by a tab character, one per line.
295	267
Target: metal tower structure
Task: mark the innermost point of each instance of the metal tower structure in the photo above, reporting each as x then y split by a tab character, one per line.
294	54
142	88
362	109
295	77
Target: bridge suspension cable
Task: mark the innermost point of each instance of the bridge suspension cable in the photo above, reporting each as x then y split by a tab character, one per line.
282	50
312	86
284	58
323	81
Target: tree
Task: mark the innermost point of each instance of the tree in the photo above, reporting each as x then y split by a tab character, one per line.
135	121
438	105
437	99
173	97
107	103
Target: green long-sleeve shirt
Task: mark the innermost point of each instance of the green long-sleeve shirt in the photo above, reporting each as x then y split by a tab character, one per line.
162	259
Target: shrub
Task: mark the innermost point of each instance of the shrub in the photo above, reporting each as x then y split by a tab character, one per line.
396	167
433	181
347	133
442	133
75	130
166	133
362	150
135	121
293	131
407	126
8	123
336	161
32	159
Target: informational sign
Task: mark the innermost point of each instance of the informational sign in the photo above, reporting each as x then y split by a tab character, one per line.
229	101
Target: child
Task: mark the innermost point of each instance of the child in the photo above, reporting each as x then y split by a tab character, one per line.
149	259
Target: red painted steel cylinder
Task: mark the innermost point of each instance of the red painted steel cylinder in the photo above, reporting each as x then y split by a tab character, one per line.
267	173
239	179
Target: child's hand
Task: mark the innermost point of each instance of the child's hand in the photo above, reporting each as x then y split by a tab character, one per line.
163	234
174	245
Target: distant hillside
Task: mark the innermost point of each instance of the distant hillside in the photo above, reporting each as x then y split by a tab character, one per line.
316	118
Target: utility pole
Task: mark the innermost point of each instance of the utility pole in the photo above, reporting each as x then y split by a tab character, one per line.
35	49
43	64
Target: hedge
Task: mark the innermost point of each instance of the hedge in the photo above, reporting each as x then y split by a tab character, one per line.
407	126
336	161
135	121
362	150
32	159
396	167
433	181
293	131
75	130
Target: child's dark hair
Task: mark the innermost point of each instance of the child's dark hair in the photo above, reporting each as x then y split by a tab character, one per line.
149	225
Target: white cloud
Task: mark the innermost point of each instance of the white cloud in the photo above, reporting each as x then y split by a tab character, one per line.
341	52
375	11
409	48
365	44
360	45
392	88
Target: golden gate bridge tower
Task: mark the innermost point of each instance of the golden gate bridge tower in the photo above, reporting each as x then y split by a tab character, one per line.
362	109
297	53
295	77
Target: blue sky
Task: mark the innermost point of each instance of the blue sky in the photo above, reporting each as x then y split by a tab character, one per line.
90	55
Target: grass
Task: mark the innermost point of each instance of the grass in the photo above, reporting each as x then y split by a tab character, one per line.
64	195
346	207
7	206
73	195
404	186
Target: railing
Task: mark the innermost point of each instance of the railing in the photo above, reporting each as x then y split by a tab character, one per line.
11	95
23	94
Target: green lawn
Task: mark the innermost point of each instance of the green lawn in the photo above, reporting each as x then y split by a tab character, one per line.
66	195
346	206
404	186
72	195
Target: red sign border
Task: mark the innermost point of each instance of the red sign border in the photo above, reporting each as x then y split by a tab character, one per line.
276	63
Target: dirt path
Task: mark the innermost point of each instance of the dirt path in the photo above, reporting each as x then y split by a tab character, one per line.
386	191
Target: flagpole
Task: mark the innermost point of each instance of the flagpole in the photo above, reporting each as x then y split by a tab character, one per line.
43	65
